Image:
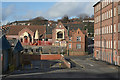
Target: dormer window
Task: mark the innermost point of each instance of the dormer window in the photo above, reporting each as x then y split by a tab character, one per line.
60	26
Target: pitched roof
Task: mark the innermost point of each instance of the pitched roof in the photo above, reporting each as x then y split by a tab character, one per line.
6	44
14	30
18	47
73	26
97	3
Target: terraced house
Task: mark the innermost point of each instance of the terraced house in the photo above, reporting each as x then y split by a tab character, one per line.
107	31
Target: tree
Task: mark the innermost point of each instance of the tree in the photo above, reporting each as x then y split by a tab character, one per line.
83	16
92	16
65	19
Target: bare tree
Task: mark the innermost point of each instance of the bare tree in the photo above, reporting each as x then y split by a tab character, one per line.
65	19
83	16
92	16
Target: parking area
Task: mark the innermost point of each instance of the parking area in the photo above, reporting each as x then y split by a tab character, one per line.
82	67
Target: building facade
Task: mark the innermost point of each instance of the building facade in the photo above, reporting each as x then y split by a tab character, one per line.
29	34
107	31
70	36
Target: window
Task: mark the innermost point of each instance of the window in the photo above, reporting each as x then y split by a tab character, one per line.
111	12
119	44
107	29
69	45
37	50
114	44
21	40
60	34
111	28
114	11
118	27
78	46
69	38
107	14
26	50
111	43
78	38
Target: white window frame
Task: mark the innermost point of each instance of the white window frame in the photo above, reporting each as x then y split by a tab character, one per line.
70	45
78	46
78	38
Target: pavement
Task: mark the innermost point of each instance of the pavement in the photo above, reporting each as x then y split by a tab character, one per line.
82	67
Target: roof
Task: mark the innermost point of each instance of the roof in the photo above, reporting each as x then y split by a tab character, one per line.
97	3
16	45
89	19
14	30
50	28
6	44
73	26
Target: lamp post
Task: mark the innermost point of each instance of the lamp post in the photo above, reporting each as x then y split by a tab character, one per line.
67	41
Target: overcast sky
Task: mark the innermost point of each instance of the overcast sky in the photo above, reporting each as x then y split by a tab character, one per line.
12	11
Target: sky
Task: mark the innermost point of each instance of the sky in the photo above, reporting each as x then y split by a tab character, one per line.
16	11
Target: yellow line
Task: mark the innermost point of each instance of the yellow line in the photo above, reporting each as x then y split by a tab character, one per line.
78	63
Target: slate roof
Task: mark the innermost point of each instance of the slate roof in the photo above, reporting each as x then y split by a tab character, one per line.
14	30
97	3
16	45
4	44
73	26
50	28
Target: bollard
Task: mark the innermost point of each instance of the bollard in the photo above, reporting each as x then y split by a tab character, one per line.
22	66
59	65
31	66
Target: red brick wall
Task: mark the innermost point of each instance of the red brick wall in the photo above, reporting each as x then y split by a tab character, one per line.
54	32
108	37
42	57
74	41
51	57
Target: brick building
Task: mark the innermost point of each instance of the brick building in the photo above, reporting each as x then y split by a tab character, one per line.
107	31
28	34
71	36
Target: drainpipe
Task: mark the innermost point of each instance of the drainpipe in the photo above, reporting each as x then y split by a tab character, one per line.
67	41
101	32
112	31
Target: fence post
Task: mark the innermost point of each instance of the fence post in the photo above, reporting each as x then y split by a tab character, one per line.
59	65
31	66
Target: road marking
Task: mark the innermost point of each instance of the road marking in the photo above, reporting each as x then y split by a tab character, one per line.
91	65
78	63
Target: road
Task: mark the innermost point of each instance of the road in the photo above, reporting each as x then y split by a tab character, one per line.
82	67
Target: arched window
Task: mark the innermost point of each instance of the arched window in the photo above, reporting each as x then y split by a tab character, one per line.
60	34
21	40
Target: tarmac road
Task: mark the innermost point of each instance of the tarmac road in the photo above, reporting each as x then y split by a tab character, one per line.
82	67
